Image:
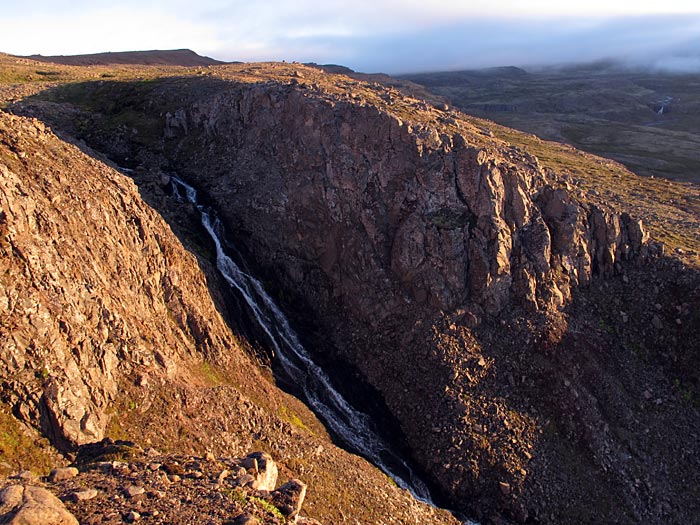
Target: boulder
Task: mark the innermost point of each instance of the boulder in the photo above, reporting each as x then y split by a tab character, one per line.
21	505
289	498
83	495
60	474
264	468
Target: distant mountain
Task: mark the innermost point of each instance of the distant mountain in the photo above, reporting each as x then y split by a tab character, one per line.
173	57
332	68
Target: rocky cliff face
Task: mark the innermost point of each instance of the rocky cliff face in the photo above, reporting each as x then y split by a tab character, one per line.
476	291
401	238
108	327
417	211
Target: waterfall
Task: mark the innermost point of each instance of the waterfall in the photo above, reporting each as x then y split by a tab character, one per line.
352	426
664	104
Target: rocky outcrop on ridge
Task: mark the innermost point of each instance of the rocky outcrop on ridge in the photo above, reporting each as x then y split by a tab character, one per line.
461	279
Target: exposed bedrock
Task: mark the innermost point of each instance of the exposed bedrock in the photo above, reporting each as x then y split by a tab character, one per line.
465	282
404	242
405	212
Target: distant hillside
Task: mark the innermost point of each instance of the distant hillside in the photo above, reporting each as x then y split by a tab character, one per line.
645	120
173	57
465	76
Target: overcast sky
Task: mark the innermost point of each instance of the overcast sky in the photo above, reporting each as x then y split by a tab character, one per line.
392	36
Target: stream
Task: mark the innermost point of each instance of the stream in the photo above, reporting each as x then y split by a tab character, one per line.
352	426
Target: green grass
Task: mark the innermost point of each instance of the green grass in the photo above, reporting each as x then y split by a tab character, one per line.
268	507
212	376
243	499
293	419
18	451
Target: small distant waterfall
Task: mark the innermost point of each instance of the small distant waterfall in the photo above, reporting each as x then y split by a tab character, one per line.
663	105
352	426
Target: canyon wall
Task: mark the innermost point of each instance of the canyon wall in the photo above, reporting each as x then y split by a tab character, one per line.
108	328
474	292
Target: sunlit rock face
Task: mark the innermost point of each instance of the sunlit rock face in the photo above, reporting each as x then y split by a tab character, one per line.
473	289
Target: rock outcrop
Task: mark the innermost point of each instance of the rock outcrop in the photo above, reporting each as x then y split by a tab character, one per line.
406	211
20	505
264	470
289	498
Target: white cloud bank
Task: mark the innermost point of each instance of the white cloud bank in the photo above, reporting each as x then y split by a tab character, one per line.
380	35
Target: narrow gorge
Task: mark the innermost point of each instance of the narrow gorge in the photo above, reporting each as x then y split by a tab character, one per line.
523	342
296	368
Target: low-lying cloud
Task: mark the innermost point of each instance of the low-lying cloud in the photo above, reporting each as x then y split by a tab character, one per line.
666	43
392	36
678	65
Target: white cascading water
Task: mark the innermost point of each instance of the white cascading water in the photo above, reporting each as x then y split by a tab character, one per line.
351	425
664	103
